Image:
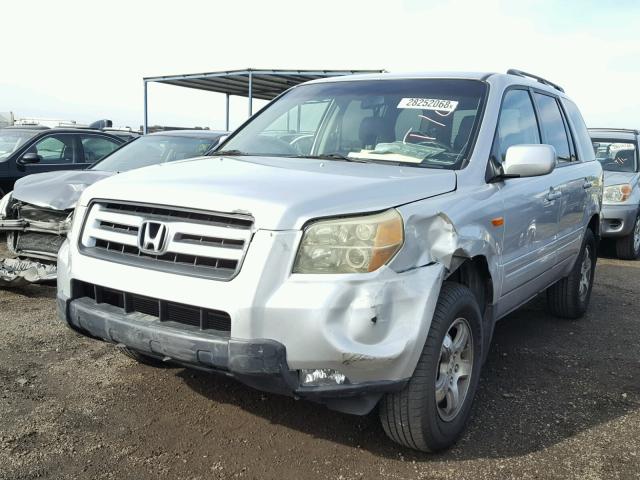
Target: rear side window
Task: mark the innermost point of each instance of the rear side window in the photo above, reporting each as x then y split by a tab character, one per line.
517	124
96	147
552	125
580	132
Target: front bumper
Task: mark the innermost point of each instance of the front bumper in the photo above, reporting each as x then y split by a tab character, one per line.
369	327
618	220
261	363
16	272
32	247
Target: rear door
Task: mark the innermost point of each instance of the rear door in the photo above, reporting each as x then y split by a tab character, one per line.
570	178
531	205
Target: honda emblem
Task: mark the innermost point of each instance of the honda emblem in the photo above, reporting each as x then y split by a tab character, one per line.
152	237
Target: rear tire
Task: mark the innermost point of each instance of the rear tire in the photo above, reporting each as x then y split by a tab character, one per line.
569	298
145	359
628	248
425	414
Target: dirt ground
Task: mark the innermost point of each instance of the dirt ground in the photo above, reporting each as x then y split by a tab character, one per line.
558	399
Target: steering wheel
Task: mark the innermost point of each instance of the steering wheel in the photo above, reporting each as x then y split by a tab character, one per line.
302	139
437	144
273	145
425	139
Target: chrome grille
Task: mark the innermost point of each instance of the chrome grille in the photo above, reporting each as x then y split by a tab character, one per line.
198	243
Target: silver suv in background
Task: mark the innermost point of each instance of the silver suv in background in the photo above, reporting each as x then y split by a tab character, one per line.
617	150
353	243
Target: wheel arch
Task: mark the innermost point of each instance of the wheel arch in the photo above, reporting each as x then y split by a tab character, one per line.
474	273
594	225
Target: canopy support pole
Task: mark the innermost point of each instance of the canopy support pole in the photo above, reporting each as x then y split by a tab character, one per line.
250	93
145	125
226	116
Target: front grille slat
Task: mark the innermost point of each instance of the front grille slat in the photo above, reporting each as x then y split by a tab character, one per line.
205	244
205	319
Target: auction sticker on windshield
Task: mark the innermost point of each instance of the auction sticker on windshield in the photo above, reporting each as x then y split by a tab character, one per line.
429	104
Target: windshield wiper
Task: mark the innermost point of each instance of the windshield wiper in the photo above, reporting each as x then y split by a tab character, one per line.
334	156
228	153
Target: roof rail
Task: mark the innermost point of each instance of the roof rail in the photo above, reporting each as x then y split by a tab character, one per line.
520	73
625	130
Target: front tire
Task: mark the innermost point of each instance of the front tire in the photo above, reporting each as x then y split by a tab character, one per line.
569	298
432	411
628	248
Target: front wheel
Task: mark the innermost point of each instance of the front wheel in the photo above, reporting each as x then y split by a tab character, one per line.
628	248
431	412
569	298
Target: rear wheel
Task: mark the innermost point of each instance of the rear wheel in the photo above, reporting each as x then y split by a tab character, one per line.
431	412
569	298
628	248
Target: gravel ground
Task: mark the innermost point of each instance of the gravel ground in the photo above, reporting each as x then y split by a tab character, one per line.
558	399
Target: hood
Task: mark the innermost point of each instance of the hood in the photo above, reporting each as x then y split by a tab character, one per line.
280	193
57	190
616	178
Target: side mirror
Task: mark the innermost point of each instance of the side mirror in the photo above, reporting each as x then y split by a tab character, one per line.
529	161
29	158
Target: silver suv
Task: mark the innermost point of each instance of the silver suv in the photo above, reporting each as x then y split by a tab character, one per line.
353	244
617	151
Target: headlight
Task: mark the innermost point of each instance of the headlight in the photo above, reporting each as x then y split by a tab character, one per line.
350	245
617	193
4	204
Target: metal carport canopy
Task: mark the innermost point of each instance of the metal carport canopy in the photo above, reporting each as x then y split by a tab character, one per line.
251	83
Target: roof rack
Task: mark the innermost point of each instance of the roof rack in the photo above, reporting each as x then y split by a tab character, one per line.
520	73
635	131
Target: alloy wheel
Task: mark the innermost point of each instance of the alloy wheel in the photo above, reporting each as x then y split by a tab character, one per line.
454	369
585	274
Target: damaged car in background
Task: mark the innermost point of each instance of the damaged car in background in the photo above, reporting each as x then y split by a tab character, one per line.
37	214
358	256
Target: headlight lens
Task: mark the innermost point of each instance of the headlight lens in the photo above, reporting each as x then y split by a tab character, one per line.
4	204
350	245
617	193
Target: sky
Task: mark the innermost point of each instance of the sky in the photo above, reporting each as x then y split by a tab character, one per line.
83	61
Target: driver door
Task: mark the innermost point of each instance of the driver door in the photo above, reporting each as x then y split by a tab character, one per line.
57	152
531	207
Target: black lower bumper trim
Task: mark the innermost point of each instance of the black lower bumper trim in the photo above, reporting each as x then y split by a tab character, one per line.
259	363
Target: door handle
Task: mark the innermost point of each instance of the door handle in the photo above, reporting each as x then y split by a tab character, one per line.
553	195
587	185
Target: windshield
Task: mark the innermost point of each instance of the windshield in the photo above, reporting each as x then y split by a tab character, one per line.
153	149
11	140
421	122
616	155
